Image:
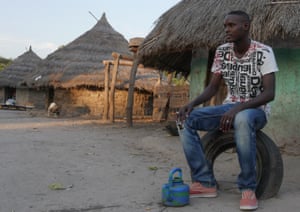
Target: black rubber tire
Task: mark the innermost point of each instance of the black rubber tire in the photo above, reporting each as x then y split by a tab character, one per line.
172	128
269	163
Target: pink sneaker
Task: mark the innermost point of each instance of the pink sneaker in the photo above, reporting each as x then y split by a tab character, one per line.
248	201
198	190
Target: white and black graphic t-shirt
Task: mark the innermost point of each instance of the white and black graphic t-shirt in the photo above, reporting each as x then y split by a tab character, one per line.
243	76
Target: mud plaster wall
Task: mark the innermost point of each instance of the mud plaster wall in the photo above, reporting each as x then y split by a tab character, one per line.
31	97
2	93
283	125
78	102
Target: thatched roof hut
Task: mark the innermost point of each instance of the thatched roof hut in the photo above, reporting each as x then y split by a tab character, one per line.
194	24
79	63
20	67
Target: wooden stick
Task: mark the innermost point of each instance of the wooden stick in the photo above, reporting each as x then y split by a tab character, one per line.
106	62
122	63
283	2
130	99
122	56
112	90
106	91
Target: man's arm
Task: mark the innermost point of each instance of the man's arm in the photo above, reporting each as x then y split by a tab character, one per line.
209	91
266	96
206	95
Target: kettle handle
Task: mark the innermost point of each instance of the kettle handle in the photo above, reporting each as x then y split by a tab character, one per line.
171	174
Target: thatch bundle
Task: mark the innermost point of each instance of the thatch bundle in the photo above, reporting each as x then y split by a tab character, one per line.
194	24
20	67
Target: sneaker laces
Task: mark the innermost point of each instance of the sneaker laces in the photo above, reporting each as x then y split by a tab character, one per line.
248	195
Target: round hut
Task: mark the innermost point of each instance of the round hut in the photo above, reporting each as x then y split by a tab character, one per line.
12	76
185	36
73	76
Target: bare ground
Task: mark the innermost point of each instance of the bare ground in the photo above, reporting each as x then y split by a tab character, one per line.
107	167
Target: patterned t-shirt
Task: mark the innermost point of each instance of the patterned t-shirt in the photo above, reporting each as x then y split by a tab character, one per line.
243	76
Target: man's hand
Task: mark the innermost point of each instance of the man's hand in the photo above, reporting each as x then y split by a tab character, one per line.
184	112
206	95
226	122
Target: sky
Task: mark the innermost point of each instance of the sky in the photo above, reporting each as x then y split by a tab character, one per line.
46	25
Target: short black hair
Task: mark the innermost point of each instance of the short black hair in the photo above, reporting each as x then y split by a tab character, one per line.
240	13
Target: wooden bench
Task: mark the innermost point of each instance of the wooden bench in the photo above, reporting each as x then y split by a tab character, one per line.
15	107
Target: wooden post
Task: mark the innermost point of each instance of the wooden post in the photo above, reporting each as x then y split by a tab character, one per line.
112	90
122	56
133	47
122	63
130	100
170	78
106	91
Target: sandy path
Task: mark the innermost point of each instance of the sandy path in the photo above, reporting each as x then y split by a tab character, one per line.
109	168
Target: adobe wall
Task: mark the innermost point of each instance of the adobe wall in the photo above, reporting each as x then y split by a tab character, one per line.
31	97
2	94
78	102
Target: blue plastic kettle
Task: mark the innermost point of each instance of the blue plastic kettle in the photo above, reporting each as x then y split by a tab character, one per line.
175	193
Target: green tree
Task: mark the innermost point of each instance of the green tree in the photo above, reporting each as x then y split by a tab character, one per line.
4	62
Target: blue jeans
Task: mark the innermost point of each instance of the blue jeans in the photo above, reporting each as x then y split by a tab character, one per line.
246	123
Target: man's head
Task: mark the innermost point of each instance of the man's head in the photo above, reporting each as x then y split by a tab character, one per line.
237	25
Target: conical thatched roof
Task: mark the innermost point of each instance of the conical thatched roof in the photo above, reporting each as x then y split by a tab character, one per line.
79	63
194	24
22	66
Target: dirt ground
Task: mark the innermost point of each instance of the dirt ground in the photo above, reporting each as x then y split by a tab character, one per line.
74	165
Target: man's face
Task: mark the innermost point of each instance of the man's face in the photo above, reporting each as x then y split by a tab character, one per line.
236	28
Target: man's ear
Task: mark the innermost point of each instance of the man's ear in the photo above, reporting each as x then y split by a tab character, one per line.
246	25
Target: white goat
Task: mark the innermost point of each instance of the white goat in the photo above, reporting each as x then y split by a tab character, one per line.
53	109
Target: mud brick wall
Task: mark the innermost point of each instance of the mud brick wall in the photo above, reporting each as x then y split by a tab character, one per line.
90	102
22	96
168	99
178	98
31	97
2	94
143	104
